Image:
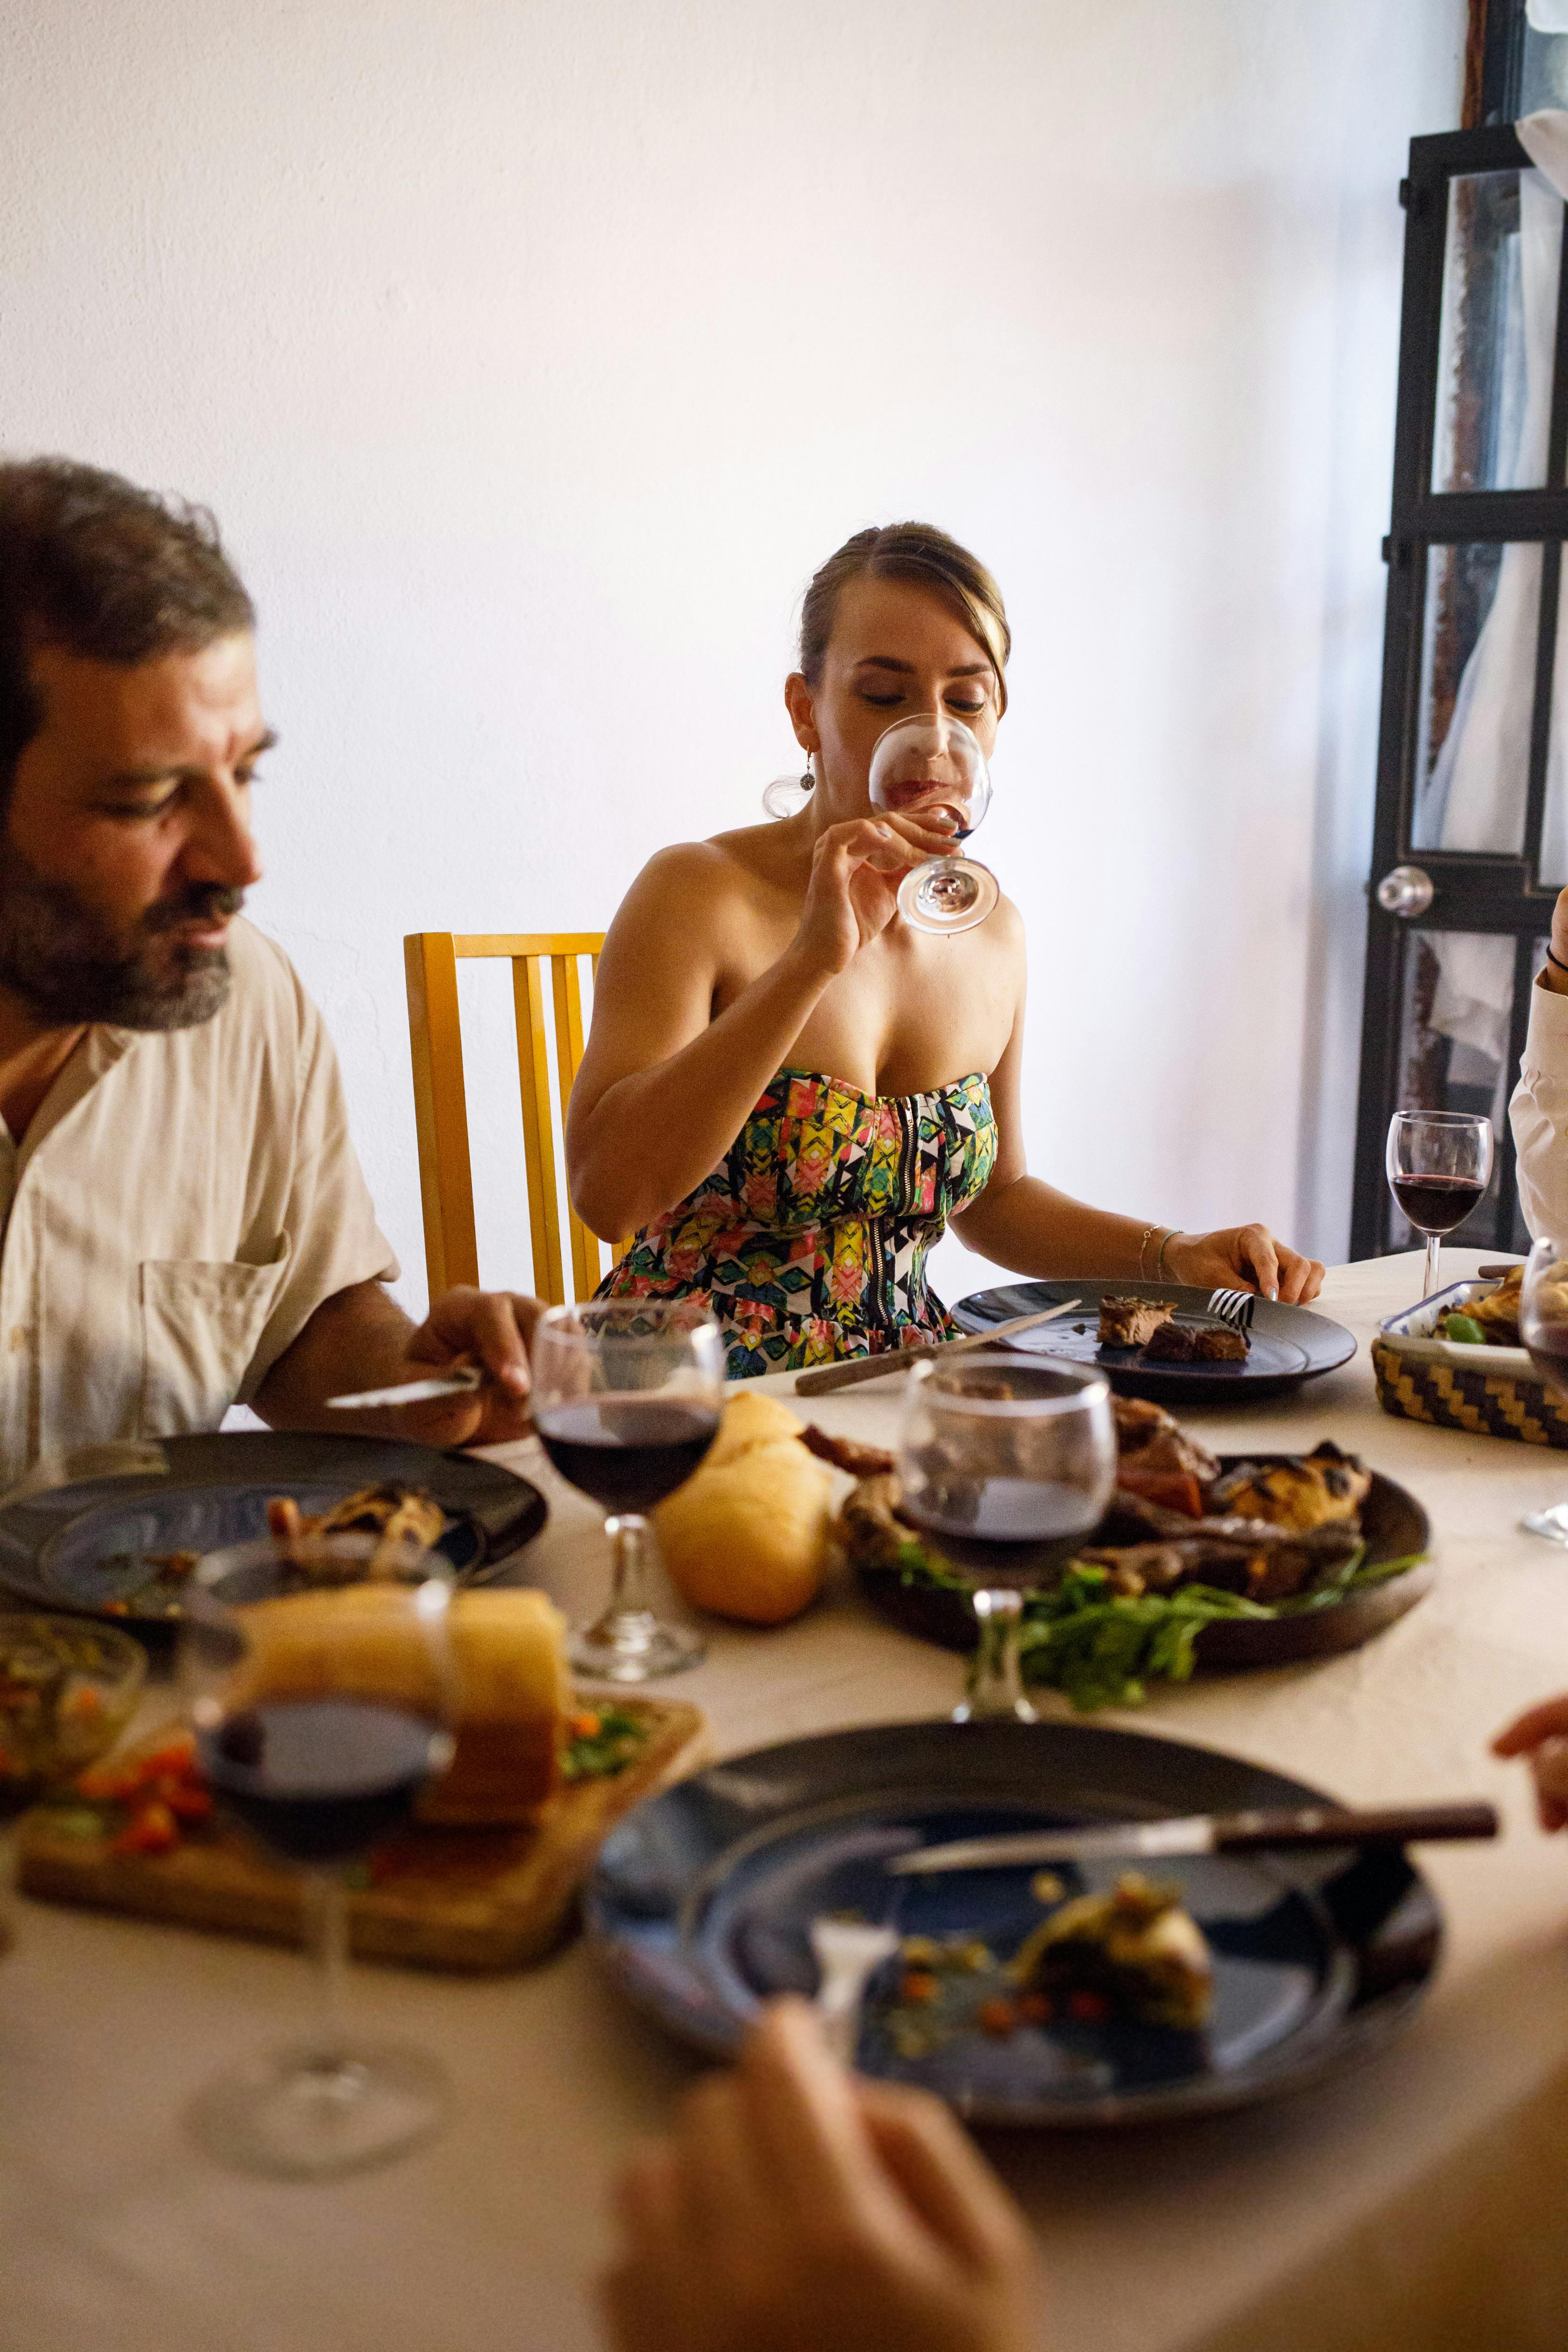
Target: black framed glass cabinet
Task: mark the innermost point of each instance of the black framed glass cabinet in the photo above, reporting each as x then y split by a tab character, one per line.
1470	836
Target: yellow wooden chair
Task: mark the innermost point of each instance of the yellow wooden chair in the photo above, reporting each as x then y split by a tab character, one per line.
441	1110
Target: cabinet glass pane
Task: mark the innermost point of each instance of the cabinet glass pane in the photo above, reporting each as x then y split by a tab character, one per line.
1477	688
1497	332
1454	1053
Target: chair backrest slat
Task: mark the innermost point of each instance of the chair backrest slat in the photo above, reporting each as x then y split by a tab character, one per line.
538	1126
441	1112
445	1171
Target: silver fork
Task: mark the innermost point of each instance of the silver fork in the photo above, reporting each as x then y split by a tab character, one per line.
1234	1307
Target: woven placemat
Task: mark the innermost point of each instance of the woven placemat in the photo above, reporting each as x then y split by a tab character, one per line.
1488	1404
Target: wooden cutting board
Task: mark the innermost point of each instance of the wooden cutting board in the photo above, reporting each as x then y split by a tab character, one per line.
474	1899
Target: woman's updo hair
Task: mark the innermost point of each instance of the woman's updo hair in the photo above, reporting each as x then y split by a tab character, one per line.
920	552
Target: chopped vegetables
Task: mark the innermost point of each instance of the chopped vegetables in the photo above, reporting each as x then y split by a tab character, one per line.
600	1745
1467	1330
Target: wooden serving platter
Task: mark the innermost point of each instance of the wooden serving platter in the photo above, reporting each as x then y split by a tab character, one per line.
467	1899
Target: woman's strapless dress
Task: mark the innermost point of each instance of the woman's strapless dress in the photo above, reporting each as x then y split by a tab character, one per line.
811	1236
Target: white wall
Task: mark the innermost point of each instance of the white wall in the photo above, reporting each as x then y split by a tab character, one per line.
533	351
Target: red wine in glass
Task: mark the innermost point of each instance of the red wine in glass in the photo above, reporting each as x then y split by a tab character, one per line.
1439	1164
321	1780
1012	1532
627	1451
1436	1205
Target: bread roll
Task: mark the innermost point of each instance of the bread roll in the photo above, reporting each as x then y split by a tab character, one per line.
749	1539
750	1421
512	1693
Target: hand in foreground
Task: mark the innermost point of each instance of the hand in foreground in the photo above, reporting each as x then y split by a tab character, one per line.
1244	1257
490	1328
856	869
1541	1733
799	2209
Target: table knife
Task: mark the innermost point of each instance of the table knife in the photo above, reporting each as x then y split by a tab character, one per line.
461	1380
828	1377
1198	1833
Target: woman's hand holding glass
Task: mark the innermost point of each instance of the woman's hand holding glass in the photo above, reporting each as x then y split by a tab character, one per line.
856	870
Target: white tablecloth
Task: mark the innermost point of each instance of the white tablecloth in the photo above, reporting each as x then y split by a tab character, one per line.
1421	2202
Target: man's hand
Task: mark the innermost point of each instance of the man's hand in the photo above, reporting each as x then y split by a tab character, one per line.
1541	1733
362	1339
487	1328
1244	1257
799	2210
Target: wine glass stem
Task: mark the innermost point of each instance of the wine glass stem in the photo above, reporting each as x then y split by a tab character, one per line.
996	1686
328	1924
1434	1252
627	1532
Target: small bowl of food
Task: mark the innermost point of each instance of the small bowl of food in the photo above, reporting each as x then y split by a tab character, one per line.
68	1689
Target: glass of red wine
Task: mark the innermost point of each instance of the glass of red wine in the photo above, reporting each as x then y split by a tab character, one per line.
627	1399
1006	1466
1439	1162
323	1697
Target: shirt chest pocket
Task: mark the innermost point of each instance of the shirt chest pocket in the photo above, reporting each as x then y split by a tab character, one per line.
201	1320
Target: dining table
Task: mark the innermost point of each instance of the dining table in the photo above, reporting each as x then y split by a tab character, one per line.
1419	2200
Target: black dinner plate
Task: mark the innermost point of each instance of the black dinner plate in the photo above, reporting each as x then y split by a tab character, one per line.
1289	1344
77	1547
1393	1523
702	1902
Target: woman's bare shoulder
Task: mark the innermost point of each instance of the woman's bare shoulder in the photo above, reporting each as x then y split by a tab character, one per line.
731	865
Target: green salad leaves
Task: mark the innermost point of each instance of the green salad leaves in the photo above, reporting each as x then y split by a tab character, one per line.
1099	1648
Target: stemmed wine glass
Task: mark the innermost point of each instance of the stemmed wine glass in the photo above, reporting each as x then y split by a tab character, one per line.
935	765
627	1399
1439	1162
322	1692
1006	1466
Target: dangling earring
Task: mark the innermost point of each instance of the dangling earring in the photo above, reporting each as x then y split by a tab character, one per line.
787	795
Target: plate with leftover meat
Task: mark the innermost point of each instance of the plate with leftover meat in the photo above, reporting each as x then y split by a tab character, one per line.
123	1546
1083	1996
1202	1560
1158	1339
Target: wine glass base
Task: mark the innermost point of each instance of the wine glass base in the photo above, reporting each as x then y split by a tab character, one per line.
300	2115
1020	1711
1551	1523
634	1649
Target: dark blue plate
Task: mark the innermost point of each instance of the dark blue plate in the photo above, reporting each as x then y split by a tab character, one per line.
82	1547
703	1898
1289	1344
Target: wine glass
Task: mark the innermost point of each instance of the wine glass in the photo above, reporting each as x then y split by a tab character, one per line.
323	1697
935	765
1006	1466
627	1399
1439	1165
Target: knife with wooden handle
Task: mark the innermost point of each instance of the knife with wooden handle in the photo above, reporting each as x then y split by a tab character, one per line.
1251	1832
828	1377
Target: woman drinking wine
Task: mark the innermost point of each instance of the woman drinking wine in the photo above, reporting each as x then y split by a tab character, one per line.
768	1099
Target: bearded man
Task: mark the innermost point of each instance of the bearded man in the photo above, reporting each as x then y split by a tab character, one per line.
183	1223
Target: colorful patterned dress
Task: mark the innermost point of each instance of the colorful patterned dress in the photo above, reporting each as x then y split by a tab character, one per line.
811	1236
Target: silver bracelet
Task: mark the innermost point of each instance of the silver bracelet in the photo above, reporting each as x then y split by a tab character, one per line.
1143	1243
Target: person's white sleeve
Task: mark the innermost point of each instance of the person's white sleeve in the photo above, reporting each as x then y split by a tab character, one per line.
334	1240
1539	1117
